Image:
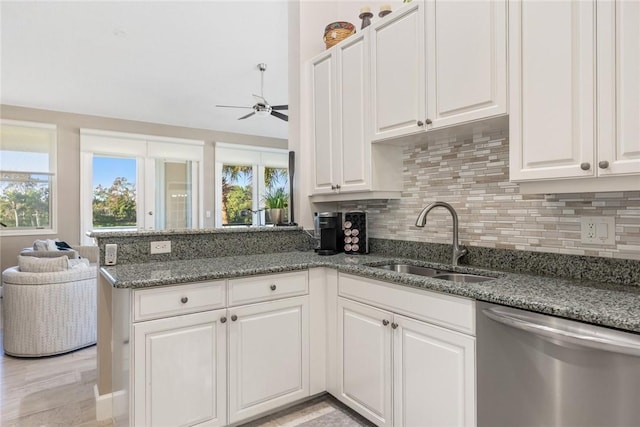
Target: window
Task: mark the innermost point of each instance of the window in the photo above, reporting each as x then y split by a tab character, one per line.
246	177
27	178
139	182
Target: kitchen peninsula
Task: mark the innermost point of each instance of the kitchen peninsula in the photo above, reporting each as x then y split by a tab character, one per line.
271	277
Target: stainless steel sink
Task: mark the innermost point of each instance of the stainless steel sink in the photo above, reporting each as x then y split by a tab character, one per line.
432	272
411	269
462	277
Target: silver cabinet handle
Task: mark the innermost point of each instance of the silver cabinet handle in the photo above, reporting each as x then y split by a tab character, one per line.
428	121
272	287
184	300
223	320
585	166
333	187
420	123
385	322
234	318
557	330
150	212
394	325
603	164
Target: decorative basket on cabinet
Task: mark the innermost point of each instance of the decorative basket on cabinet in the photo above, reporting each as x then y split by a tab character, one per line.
337	31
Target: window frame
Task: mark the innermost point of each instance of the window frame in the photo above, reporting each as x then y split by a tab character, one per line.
146	149
53	180
247	155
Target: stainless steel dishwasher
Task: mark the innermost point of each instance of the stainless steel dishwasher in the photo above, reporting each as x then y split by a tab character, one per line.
543	371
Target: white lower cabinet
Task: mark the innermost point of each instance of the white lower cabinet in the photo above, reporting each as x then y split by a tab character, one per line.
218	367
364	360
268	356
433	375
399	371
180	371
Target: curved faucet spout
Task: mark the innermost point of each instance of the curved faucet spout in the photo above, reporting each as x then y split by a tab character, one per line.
458	250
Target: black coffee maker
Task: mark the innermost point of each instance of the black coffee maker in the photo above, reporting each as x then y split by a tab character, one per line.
328	225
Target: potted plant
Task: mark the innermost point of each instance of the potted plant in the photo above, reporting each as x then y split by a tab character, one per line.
275	202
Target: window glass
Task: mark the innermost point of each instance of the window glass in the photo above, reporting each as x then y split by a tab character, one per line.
27	172
114	192
276	195
237	194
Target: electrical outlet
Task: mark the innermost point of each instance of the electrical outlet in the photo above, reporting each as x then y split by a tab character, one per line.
110	254
598	230
161	247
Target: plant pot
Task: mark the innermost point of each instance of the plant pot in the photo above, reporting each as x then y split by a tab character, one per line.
275	216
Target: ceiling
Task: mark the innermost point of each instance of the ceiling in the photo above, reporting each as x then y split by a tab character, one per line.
152	61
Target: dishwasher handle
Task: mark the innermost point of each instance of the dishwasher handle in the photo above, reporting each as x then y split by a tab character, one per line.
563	331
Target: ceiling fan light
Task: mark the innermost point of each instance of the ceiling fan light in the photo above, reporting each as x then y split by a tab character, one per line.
262	113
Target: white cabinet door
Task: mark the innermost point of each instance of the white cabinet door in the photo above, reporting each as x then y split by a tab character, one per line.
466	60
552	89
352	101
180	371
397	73
618	88
364	360
268	356
434	375
323	123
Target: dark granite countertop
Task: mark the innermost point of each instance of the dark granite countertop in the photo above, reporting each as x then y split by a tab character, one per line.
602	304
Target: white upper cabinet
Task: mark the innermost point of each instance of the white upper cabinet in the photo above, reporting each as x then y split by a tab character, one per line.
397	73
466	61
574	95
346	166
552	89
352	86
618	87
323	122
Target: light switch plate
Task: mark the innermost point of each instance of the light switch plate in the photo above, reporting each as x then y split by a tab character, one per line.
598	230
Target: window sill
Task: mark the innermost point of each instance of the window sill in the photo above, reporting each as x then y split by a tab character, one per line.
7	232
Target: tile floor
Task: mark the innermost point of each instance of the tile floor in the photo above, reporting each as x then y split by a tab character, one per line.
58	391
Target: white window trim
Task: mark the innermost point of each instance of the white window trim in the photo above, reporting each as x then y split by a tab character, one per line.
149	149
247	155
53	172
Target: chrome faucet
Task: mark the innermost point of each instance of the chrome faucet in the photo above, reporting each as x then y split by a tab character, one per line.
458	250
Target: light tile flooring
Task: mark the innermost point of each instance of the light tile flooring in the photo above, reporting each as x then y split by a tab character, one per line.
58	391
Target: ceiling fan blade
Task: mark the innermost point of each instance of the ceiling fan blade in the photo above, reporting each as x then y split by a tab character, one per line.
280	116
248	115
279	107
260	100
231	106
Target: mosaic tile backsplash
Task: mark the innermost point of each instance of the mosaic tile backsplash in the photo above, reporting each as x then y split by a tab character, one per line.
473	176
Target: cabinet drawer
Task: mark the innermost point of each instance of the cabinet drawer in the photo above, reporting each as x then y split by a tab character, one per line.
176	300
269	287
451	312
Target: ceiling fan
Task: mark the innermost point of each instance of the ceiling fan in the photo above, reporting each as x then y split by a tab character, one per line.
262	107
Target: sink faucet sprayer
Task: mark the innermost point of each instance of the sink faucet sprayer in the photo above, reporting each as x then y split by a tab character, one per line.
458	250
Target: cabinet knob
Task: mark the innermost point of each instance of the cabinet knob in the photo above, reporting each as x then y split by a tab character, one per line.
420	123
337	186
184	300
385	322
394	325
428	121
234	318
272	287
585	166
603	164
223	320
333	187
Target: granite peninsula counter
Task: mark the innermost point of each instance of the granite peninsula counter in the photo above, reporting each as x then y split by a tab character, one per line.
615	306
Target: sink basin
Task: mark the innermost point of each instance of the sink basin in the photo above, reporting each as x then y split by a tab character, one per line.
412	269
462	277
432	272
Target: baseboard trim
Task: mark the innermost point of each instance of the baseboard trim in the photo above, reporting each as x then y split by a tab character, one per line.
110	406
